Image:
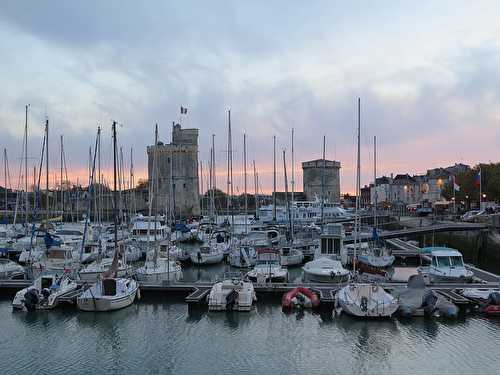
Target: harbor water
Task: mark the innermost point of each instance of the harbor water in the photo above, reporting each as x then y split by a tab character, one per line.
158	336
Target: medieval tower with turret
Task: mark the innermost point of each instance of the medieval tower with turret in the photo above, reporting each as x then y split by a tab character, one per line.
177	173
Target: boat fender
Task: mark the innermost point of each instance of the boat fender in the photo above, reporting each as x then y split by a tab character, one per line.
138	294
374	288
332	275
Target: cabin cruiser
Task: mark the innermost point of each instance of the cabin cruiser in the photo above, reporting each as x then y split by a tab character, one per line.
108	294
242	256
10	270
366	301
447	265
207	255
325	270
231	294
290	256
304	212
44	293
93	271
268	267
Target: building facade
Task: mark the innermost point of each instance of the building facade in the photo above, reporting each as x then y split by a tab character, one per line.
313	174
178	184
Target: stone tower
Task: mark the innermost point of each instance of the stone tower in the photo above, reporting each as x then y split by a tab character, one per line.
177	173
312	179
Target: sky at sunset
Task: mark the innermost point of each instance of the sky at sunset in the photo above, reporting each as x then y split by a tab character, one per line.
427	73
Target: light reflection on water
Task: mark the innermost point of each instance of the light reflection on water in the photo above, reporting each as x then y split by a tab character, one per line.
155	336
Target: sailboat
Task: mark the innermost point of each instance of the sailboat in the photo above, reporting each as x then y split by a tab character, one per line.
157	269
375	257
110	292
363	299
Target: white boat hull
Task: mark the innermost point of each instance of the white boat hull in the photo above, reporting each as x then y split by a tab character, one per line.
207	258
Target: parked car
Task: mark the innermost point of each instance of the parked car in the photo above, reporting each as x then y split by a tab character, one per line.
473	215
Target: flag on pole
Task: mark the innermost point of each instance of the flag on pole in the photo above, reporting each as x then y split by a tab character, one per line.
477	180
456	187
184	111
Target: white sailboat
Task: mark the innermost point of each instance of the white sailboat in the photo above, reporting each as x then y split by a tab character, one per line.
377	255
157	270
363	300
110	292
206	255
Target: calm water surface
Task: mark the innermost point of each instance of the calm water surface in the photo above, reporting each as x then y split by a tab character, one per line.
157	336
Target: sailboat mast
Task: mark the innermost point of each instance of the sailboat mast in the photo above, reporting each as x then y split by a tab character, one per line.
358	177
47	169
323	183
375	194
5	181
293	183
228	200
26	165
115	191
61	180
286	197
274	178
200	192
214	180
155	196
245	173
256	192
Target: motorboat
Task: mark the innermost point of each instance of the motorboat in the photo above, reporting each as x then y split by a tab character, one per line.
446	265
268	267
45	292
290	256
108	294
242	257
93	271
366	301
231	294
325	270
10	270
207	255
416	299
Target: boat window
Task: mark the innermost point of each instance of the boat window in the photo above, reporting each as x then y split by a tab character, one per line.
434	262
330	245
457	261
336	245
443	262
323	245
